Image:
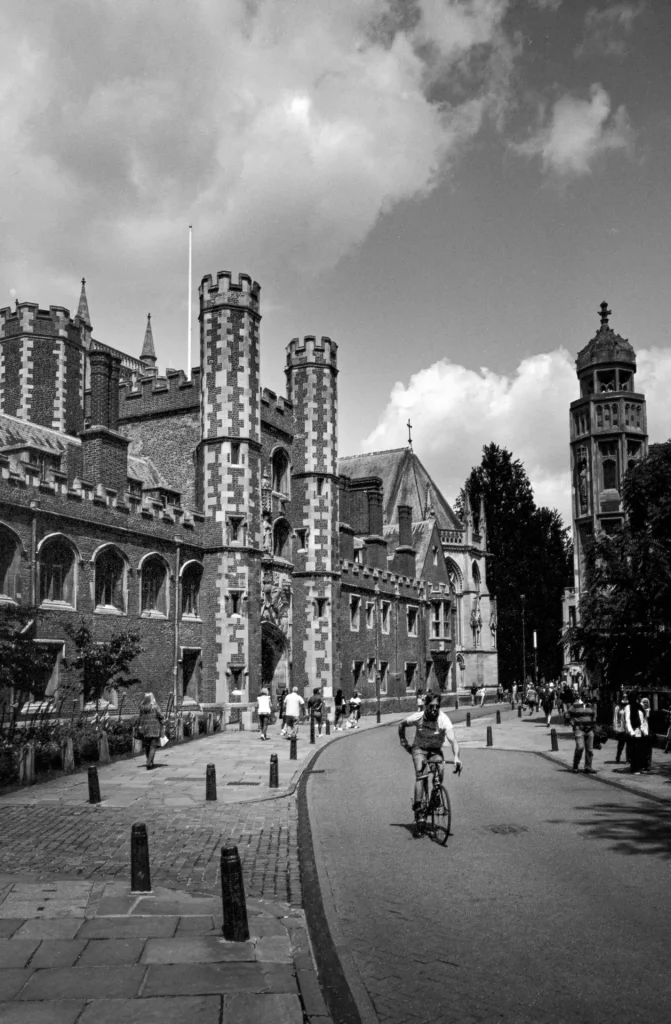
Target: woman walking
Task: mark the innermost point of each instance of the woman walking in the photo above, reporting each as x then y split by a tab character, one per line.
636	728
354	711
150	727
263	710
619	729
281	699
339	710
548	703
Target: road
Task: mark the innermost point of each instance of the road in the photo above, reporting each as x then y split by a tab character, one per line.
549	905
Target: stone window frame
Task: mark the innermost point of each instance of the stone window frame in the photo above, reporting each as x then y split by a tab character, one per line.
154	558
280	471
11	594
191	566
101	552
412	619
320	607
410	673
355	613
385	617
48	542
370	614
384	677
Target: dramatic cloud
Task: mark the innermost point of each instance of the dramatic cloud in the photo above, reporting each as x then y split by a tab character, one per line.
455	411
275	127
577	132
606	31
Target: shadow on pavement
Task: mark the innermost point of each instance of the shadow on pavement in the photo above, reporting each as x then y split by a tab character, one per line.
630	830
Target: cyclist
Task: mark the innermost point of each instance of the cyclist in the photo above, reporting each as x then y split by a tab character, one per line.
432	730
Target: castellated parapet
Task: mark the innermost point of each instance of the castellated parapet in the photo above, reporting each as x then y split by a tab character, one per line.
159	396
310	349
28	318
223	291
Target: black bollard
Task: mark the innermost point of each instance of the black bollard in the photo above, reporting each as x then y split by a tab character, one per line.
274	772
456	703
94	785
293	748
210	782
140	879
498	717
553	739
490	738
328	726
519	711
312	728
236	928
468	719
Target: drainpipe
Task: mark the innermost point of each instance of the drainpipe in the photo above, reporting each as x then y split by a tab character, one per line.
34	507
175	662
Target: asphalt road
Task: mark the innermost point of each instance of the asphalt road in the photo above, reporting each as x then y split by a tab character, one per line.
549	905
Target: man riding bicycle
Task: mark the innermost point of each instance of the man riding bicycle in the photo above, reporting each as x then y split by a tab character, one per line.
432	730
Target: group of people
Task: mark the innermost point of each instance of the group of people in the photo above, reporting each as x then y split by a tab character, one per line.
631	723
292	708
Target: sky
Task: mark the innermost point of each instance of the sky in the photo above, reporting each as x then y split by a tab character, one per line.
447	188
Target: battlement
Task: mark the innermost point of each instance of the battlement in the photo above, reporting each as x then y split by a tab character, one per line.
311	349
277	410
225	292
155	395
28	318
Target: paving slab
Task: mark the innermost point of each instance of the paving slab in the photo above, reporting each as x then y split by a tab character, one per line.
49	928
111	951
155	1010
273	1008
197	949
51	1011
11	981
8	926
192	908
57	953
83	983
204	979
279	977
274	949
17	952
196	925
128	928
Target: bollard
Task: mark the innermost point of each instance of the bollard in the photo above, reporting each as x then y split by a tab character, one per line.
274	772
210	782
519	711
456	703
468	719
140	880
235	927
94	785
209	723
553	740
498	717
293	748
328	726
103	749
490	738
312	728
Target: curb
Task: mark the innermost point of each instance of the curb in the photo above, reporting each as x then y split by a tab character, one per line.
615	783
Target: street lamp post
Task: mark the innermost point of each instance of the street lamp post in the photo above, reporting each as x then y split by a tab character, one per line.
535	658
523	598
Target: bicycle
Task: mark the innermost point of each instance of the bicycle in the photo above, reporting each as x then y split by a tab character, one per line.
434	817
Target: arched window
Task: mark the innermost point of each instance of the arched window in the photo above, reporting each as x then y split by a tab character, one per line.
154	586
615	415
280	468
606	416
191	577
599	416
10	561
609	474
476	576
281	537
110	581
57	569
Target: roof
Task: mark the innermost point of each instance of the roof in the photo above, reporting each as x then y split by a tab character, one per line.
405	481
140	468
16	433
148	351
83	308
606	346
422	532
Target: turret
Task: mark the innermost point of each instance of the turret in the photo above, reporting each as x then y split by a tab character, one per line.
148	354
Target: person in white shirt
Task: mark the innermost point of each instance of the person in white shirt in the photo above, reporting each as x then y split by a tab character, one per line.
433	729
263	710
292	710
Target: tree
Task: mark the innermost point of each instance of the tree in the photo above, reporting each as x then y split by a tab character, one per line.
103	664
25	666
530	555
625	601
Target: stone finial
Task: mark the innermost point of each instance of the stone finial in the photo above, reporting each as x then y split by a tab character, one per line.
604	313
83	308
148	352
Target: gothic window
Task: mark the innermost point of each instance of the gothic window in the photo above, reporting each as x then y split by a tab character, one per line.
437	620
301	539
235	602
370	614
10	561
605	381
411	611
154	590
386	611
320	486
371	671
236	530
321	604
354	612
606	416
384	676
625	381
191	672
280	469
633	453
476	576
410	676
110	581
281	538
638	416
356	673
626	414
609	474
235	453
615	415
435	555
599	416
57	571
192	574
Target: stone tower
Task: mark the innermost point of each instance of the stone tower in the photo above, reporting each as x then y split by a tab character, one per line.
608	433
229	478
312	388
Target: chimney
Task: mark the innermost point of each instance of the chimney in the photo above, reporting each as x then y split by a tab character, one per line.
375	512
404	557
345	529
375	552
100	367
104	449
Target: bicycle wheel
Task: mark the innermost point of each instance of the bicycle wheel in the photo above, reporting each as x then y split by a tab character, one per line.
441	815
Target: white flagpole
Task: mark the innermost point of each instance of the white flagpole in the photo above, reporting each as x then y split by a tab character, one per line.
188	347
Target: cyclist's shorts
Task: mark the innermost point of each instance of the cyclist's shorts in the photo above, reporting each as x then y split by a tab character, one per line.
422	757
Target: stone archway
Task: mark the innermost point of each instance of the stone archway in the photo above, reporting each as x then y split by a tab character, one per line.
274	657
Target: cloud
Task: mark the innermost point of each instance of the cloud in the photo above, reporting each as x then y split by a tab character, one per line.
455	411
546	5
275	127
577	132
606	30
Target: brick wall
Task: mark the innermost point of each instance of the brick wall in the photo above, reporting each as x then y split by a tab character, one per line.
171	442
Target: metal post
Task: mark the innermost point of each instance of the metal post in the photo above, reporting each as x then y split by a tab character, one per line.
293	748
312	728
468	719
328	726
140	879
553	739
274	772
94	785
236	928
523	599
519	710
498	717
490	738
456	703
210	782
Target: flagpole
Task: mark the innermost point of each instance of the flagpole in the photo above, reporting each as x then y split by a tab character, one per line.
188	346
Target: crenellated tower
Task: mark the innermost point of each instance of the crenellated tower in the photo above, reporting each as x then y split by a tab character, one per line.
312	371
229	479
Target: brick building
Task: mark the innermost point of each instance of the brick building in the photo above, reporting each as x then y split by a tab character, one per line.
215	517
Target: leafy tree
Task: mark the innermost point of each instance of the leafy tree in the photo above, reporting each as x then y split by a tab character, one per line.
530	555
103	664
625	602
25	666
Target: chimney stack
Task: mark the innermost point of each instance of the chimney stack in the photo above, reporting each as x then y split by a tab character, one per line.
404	558
104	449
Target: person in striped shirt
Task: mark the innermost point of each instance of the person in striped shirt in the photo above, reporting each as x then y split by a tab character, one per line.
583	720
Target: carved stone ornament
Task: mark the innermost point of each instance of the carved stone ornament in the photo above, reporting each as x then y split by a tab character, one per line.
276	600
267	534
493	619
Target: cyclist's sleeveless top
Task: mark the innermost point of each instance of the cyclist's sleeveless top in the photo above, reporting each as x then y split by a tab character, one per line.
429	735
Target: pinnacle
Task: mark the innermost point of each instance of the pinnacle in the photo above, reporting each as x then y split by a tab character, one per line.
148	352
83	308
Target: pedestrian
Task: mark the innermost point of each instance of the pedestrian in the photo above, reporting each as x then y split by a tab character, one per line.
263	711
636	728
647	737
481	694
340	709
293	702
150	727
548	703
583	721
531	699
513	698
620	730
354	711
567	698
420	699
281	698
500	693
474	693
316	708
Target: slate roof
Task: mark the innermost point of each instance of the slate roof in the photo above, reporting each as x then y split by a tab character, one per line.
405	481
16	433
422	532
143	469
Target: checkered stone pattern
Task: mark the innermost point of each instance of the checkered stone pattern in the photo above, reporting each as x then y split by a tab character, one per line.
231	480
312	388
